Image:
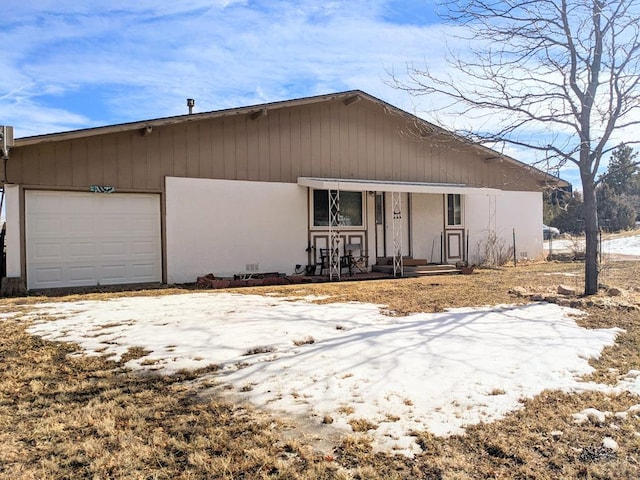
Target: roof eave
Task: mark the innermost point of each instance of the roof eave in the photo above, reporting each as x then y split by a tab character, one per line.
194	117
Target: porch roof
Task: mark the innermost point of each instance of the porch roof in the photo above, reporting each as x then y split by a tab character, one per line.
355	185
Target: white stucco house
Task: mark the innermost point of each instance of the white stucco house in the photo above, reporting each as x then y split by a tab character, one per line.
261	188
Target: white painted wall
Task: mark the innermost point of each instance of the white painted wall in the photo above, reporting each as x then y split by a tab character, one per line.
502	214
427	224
221	226
12	239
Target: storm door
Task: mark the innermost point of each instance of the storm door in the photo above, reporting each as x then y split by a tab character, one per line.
454	229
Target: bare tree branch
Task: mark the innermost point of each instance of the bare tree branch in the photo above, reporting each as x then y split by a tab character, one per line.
559	77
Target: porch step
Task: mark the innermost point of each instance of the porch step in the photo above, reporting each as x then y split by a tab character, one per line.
418	270
406	261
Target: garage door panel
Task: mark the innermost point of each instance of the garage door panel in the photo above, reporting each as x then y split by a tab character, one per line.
49	275
140	224
142	248
122	204
143	271
111	249
81	250
83	273
47	252
49	226
114	273
114	226
47	202
77	239
81	224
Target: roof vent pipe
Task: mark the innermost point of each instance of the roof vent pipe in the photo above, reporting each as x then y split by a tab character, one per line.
190	103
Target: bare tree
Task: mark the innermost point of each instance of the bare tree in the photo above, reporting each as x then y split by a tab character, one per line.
557	76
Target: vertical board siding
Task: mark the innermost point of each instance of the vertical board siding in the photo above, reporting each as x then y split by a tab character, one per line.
336	150
96	167
124	162
109	162
305	141
217	152
253	153
155	177
315	142
79	161
47	163
361	143
166	138
193	145
263	150
286	167
138	161
204	150
242	151
275	162
295	134
326	139
64	175
229	150
326	162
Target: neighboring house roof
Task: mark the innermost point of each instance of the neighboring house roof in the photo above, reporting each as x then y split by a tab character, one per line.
348	97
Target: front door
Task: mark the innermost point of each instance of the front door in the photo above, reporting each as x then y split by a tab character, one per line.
454	244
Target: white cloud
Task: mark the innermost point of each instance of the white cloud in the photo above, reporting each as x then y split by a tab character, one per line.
151	57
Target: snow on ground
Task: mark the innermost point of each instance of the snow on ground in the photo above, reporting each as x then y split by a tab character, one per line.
622	245
627	245
436	372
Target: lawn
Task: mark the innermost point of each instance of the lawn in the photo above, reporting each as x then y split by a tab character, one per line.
68	415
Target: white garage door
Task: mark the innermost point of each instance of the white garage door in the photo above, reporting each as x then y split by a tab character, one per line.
78	239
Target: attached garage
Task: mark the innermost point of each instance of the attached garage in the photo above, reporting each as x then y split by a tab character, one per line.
80	239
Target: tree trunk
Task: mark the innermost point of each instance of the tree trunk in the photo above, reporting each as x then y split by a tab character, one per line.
591	236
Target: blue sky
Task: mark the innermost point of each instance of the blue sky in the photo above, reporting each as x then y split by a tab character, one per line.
69	64
75	64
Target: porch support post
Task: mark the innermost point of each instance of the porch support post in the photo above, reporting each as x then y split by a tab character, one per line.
396	203
334	234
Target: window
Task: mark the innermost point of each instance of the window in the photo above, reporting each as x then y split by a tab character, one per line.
350	208
454	209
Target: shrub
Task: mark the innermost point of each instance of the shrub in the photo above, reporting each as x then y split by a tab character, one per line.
493	251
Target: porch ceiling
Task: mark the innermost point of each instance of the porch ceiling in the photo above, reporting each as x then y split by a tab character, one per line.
354	185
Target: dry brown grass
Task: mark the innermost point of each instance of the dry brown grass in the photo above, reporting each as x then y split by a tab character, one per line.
361	425
86	417
76	417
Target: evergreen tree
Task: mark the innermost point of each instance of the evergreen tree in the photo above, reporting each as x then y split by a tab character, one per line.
615	213
622	173
623	179
569	218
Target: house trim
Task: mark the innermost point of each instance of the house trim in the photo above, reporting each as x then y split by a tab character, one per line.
354	185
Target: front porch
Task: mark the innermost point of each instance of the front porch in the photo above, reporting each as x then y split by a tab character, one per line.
398	228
